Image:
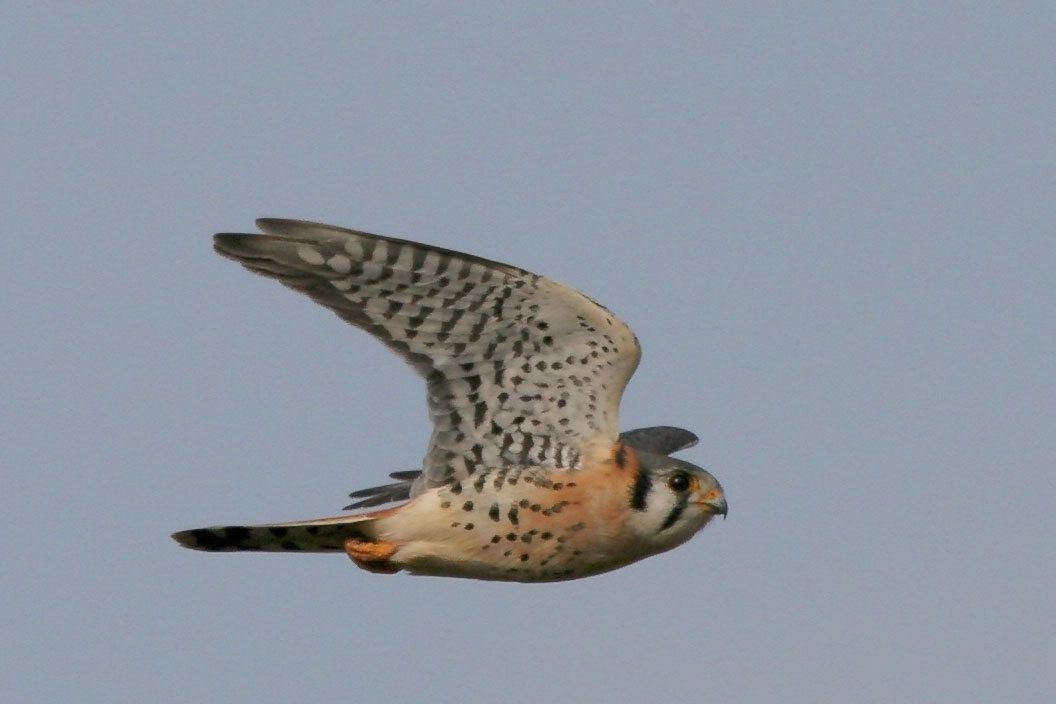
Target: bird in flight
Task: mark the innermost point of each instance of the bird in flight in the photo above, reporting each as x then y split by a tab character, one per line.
527	477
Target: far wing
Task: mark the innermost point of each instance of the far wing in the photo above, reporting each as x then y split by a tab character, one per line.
660	439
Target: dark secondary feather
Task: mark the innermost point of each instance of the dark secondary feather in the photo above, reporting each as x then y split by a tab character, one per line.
399	490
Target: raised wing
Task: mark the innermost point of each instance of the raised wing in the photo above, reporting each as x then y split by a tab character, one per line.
519	368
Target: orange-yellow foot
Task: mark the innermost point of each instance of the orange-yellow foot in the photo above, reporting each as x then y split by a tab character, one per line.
372	556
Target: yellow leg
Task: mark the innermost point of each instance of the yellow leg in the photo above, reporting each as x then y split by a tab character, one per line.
372	556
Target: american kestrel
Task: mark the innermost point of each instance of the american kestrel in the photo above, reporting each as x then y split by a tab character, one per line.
526	477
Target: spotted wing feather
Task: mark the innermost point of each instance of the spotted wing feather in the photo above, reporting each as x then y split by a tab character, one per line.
519	368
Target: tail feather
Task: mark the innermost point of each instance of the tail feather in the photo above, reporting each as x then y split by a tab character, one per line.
318	535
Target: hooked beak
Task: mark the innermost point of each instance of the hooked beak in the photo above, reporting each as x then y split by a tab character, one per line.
716	503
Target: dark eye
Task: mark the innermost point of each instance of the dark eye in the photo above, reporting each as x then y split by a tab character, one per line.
678	482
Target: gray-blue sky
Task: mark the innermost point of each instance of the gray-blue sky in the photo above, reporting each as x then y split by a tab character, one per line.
831	227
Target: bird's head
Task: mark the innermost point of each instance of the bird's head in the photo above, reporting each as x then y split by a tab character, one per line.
672	499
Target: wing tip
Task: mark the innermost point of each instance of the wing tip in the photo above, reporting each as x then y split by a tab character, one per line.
231	244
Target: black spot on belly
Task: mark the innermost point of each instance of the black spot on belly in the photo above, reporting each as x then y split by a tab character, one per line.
512	515
468	506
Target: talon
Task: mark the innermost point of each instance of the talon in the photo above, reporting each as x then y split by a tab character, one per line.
372	556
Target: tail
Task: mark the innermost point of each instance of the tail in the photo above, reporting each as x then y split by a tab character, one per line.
317	535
